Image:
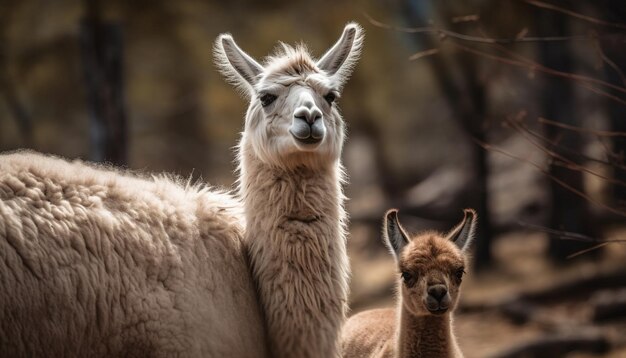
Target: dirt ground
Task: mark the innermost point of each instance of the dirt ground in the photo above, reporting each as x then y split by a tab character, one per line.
520	266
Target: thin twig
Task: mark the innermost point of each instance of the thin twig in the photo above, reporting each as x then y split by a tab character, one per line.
527	63
577	153
577	15
561	160
466	18
470	38
582	80
608	61
532	65
594	247
524	63
582	130
567	235
579	193
421	54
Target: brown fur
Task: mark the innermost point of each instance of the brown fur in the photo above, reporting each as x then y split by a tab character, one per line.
412	330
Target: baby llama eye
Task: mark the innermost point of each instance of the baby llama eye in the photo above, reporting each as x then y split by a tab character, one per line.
459	273
406	277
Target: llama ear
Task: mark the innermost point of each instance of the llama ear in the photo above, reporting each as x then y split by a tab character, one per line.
237	66
339	61
463	234
393	233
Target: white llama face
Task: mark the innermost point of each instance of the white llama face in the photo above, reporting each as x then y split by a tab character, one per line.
293	116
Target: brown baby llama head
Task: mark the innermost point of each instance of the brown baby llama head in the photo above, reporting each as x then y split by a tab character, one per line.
431	265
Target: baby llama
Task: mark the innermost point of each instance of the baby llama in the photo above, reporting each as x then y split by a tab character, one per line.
431	268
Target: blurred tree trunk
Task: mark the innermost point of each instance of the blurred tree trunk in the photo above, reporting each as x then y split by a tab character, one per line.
14	104
366	125
569	212
617	115
613	47
467	101
101	48
8	87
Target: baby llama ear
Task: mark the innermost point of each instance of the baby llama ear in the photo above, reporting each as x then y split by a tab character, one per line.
463	234
339	61
237	66
395	237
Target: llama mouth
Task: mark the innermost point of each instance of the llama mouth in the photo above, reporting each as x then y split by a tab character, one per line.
306	140
309	140
307	134
438	311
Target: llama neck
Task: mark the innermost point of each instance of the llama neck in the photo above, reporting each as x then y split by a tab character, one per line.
301	194
295	234
426	336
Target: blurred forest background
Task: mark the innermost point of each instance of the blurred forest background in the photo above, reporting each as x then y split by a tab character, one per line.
514	107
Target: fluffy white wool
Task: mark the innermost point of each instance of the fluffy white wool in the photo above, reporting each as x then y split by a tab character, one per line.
99	263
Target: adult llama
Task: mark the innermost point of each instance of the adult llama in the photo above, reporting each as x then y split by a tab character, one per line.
290	184
97	262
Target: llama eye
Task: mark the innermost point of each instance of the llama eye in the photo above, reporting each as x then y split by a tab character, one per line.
267	99
459	273
330	97
407	277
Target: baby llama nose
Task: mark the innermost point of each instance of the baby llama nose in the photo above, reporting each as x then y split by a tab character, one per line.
437	291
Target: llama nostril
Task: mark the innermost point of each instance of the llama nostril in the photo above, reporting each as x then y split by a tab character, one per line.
312	118
302	117
316	114
437	291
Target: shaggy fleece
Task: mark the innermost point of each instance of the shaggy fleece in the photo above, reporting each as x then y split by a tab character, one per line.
95	262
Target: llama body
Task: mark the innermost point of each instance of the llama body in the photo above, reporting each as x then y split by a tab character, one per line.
407	336
431	267
98	263
290	185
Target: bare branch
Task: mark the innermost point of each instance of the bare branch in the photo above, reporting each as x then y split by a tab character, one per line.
421	54
523	62
567	235
466	18
581	194
582	130
608	61
581	155
484	40
574	14
594	247
561	160
581	80
532	65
